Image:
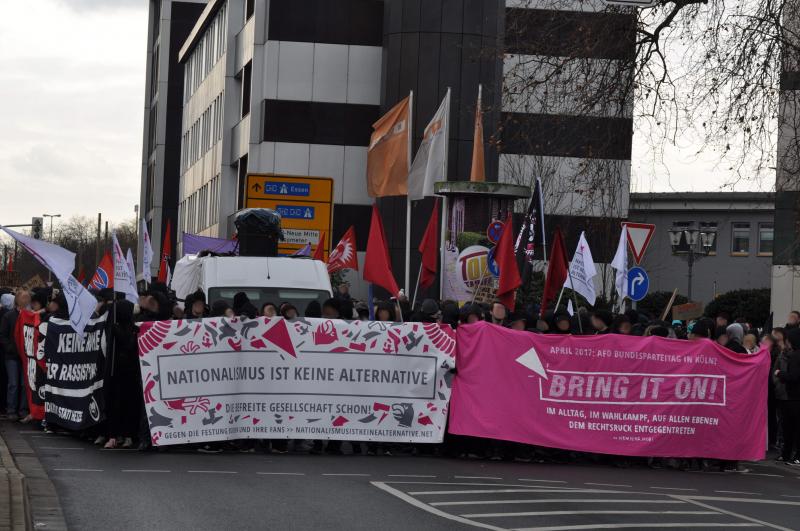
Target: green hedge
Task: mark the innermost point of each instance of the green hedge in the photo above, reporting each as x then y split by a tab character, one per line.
752	304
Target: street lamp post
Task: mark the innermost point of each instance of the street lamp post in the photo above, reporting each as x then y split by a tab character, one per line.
685	241
51	216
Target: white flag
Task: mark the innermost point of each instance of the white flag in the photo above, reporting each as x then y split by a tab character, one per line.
61	262
430	164
131	267
620	264
570	309
582	271
147	253
123	283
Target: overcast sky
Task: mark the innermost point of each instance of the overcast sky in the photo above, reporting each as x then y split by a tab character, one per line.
72	75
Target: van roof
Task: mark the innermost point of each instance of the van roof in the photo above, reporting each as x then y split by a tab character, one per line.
259	271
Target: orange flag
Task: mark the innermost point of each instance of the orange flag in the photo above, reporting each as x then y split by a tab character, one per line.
389	151
478	172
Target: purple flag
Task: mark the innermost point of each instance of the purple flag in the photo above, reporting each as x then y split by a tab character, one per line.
193	244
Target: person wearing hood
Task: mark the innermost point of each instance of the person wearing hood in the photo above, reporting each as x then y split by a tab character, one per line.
429	312
788	374
735	334
195	305
470	313
602	321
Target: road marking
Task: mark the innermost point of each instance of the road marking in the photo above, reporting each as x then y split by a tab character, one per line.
280	473
542	480
212	472
674	488
527	490
553	500
362	475
766	475
146	470
607	485
740	500
30	431
59	448
410	476
789	496
77	469
738	492
476	477
755	521
425	507
567	513
628	526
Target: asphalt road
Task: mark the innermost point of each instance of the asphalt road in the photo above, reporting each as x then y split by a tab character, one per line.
119	489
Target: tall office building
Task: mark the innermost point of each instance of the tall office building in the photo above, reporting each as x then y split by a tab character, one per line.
170	23
292	87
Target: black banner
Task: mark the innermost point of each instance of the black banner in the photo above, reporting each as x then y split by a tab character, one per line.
75	371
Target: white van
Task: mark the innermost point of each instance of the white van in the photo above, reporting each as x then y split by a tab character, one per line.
296	280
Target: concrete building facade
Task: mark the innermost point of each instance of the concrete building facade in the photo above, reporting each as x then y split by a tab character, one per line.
743	252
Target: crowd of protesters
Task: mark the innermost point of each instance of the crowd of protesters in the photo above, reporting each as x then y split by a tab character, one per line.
126	425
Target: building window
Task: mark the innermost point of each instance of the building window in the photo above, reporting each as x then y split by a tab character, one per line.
249	8
740	239
247	76
765	239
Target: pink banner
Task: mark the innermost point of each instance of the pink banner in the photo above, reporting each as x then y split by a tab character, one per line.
622	395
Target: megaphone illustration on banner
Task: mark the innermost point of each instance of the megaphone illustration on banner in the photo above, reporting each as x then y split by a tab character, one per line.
531	360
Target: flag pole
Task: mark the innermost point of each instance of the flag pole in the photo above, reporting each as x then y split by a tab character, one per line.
574	297
442	245
408	197
371	304
416	287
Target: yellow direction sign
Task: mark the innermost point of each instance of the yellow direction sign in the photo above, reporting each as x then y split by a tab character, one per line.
304	203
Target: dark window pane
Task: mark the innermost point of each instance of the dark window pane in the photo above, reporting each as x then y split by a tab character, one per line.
740	238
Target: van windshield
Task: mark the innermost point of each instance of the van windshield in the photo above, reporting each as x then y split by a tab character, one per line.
258	296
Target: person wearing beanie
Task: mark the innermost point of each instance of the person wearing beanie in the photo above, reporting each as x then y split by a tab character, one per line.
221	309
601	322
517	321
429	312
243	307
195	305
313	310
700	330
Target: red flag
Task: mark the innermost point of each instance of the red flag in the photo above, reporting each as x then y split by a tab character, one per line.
429	247
377	266
319	252
82	276
556	271
507	263
104	276
166	254
343	255
10	264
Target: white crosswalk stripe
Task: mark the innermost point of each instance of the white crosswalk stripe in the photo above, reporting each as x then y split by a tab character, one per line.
544	507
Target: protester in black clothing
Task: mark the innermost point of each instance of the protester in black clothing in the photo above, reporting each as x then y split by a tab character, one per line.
790	376
195	305
386	312
125	398
429	312
221	309
313	310
16	403
331	309
793	320
601	322
268	309
735	334
621	325
288	311
243	307
562	324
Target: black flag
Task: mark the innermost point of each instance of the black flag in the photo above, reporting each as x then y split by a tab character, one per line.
531	233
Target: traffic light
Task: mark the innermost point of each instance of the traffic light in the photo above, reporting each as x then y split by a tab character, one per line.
36	228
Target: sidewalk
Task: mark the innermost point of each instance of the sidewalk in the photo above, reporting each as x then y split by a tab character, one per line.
28	499
13	514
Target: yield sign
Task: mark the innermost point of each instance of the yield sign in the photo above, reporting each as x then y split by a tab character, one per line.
639	236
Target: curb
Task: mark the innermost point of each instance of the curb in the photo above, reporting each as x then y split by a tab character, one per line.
16	515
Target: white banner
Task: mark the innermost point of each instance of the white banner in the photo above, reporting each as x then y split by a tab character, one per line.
220	379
